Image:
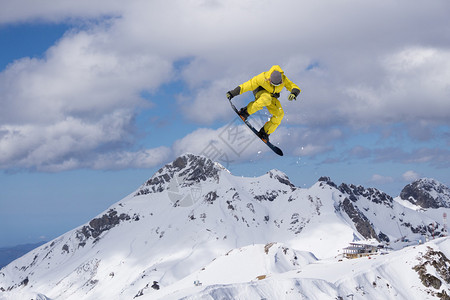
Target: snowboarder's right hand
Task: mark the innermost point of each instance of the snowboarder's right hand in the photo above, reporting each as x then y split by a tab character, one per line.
233	93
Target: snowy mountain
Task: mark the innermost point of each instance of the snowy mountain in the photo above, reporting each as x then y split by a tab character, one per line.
427	193
195	231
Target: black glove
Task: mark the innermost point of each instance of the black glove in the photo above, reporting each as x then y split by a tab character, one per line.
232	93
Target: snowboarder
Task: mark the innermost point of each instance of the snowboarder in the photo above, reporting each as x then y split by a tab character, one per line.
266	88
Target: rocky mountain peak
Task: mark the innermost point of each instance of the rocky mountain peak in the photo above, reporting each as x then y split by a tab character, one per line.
281	177
372	194
192	169
327	180
427	193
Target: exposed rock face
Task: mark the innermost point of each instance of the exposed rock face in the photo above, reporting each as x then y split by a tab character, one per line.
327	180
372	194
351	206
361	222
99	225
281	177
192	168
433	270
427	193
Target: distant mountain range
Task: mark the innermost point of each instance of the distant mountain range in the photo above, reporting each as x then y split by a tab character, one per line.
195	231
8	254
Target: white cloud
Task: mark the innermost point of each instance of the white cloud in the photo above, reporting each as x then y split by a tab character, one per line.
78	76
80	98
231	143
380	179
360	152
66	142
355	80
234	142
410	176
308	141
56	11
311	150
415	89
358	63
207	105
147	158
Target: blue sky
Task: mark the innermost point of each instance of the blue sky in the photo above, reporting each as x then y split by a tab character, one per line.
98	95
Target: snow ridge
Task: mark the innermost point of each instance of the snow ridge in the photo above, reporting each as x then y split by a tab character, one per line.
195	231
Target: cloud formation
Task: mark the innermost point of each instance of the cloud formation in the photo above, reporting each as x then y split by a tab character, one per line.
359	64
78	102
410	176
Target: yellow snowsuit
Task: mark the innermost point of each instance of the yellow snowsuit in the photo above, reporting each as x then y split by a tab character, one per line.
266	95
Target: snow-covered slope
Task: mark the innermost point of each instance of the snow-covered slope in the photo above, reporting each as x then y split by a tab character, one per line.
241	238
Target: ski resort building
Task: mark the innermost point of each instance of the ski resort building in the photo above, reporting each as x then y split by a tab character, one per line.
357	250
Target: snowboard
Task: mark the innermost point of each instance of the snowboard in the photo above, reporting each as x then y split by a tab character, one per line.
269	144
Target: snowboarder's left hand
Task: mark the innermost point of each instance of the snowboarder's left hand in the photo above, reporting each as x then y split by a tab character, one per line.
292	97
229	95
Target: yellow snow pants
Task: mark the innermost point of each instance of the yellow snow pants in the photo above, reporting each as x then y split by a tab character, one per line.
265	99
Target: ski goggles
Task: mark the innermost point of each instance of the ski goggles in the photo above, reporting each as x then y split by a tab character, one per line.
276	84
276	78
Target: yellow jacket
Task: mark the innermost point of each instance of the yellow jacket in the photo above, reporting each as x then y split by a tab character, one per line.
263	80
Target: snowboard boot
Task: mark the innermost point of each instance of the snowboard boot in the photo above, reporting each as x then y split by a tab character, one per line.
263	135
243	113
